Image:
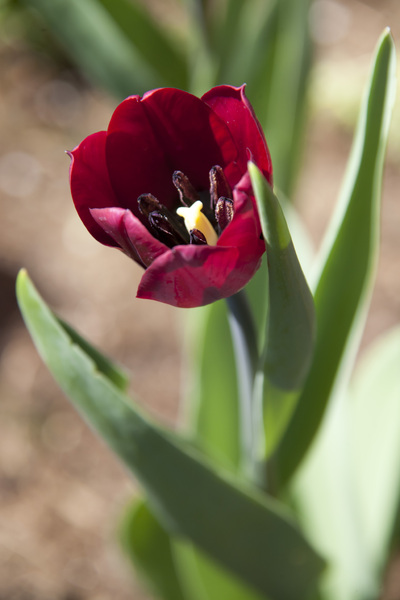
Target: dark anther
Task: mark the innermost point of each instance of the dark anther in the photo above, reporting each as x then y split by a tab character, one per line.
224	212
219	186
174	232
196	237
165	231
148	203
187	193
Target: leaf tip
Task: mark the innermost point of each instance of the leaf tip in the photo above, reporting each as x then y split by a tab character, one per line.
21	280
386	38
253	169
273	222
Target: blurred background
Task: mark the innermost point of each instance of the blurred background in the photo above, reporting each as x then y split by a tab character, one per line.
61	490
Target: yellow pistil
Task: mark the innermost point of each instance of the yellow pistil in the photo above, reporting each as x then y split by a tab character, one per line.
195	219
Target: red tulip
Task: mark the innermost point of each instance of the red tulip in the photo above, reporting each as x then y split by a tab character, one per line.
163	152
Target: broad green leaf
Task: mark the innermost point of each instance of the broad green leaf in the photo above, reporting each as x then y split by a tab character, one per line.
289	342
375	441
251	534
95	44
148	546
113	372
348	265
149	40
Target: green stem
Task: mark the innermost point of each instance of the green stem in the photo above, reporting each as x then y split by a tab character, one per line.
246	355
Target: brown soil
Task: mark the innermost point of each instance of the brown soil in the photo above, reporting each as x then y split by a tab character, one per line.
61	490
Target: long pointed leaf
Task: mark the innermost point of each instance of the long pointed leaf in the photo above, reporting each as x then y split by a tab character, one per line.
248	533
345	283
290	323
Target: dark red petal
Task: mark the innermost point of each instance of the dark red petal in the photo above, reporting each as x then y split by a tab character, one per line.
232	106
90	184
244	231
189	276
151	137
129	234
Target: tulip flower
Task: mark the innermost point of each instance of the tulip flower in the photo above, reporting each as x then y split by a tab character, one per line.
167	183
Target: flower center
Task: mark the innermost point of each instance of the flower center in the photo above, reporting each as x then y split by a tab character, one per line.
194	222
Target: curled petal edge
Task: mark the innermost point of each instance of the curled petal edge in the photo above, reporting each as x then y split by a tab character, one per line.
130	234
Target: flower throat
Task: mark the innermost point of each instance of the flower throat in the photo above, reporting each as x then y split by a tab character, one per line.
194	222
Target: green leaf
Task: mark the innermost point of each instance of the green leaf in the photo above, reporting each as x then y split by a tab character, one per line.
324	493
148	546
375	437
250	534
202	59
348	264
227	40
270	49
211	390
114	373
347	491
95	43
203	579
280	102
171	568
289	341
149	40
246	46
